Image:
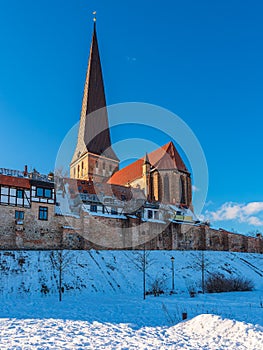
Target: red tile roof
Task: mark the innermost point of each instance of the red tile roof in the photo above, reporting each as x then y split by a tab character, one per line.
164	158
127	174
14	181
89	187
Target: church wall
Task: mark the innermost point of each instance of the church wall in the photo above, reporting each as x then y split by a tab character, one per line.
155	186
138	183
174	187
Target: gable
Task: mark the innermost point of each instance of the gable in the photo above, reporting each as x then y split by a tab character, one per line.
164	158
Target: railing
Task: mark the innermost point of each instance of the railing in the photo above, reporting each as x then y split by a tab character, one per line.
41	177
183	218
11	172
32	175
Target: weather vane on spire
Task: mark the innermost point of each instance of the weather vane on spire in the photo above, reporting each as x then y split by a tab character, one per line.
95	16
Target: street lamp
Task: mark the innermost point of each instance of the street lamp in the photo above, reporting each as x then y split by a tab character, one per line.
172	260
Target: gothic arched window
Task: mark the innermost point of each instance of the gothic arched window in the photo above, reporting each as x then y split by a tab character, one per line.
166	188
182	189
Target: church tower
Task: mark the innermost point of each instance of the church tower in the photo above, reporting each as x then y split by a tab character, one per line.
94	157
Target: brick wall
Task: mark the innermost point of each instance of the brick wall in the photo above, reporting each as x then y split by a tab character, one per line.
88	232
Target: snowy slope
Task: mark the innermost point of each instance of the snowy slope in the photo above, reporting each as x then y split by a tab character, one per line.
103	308
118	272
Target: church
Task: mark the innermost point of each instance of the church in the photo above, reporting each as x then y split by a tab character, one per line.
145	205
161	174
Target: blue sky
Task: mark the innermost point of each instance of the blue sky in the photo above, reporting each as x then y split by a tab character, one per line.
199	59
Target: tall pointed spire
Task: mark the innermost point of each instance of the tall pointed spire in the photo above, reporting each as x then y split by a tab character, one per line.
94	95
94	134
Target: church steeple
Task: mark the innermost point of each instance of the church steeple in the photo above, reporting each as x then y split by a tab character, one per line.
94	134
94	94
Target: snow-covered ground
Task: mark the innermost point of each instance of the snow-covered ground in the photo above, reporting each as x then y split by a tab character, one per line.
202	332
103	306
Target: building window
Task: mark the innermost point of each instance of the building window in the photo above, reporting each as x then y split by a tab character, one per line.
103	165
43	213
40	192
20	193
166	189
156	215
110	167
44	192
97	164
150	214
19	215
93	208
47	193
182	188
114	211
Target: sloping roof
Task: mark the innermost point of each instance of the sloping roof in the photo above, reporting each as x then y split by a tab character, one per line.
94	134
167	157
89	187
164	158
130	173
13	181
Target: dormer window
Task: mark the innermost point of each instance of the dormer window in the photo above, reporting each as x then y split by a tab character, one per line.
93	208
150	214
114	211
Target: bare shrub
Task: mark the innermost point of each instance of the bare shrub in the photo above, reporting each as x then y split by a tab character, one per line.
157	287
191	288
218	283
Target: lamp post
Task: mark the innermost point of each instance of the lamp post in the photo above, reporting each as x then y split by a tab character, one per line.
172	260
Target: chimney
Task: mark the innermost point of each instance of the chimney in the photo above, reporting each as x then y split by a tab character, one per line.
25	171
